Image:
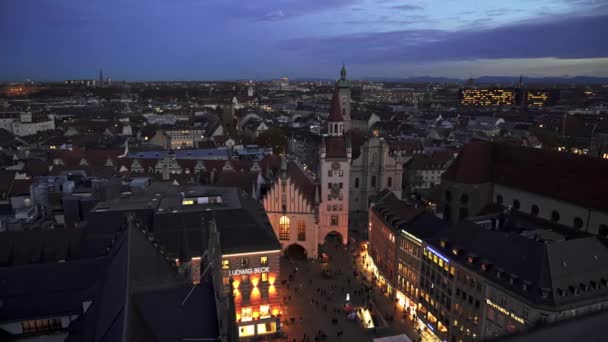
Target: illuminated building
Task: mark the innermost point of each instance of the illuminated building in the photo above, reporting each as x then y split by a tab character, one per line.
493	276
541	97
396	233
218	233
304	210
487	97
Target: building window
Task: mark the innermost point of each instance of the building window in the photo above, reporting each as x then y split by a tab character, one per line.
301	231
340	185
389	182
264	311
244	262
284	228
341	173
464	199
578	223
40	325
329	173
534	210
264	261
499	199
334	220
356	183
448	196
245	279
246	314
264	277
226	281
225	264
555	216
516	204
373	181
329	185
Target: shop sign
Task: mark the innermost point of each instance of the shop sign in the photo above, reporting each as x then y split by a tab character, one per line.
254	270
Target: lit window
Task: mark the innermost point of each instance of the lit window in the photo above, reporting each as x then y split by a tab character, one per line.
284	228
264	276
247	330
225	264
244	262
264	311
263	261
187	202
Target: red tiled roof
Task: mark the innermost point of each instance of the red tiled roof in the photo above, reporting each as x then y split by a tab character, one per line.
335	110
564	176
335	147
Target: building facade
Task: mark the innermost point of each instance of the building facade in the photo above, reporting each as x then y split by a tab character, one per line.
292	205
542	183
374	171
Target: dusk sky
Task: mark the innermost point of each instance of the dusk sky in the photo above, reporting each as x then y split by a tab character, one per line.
262	39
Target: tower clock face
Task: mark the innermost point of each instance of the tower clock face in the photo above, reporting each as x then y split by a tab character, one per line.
335	166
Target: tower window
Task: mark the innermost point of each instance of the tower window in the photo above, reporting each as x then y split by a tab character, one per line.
389	182
356	183
373	181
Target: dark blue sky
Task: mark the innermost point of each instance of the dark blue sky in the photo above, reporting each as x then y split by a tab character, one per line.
236	39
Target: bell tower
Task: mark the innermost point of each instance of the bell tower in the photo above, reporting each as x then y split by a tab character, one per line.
343	87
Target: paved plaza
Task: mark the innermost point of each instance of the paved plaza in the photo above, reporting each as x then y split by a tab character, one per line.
314	301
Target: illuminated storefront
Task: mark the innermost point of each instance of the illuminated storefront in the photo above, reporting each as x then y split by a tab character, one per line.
256	297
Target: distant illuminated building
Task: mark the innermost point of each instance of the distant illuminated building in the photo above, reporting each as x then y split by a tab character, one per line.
541	97
487	97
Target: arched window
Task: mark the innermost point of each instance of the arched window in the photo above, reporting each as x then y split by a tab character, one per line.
373	181
555	216
464	199
534	210
356	183
389	182
516	204
578	223
499	199
284	228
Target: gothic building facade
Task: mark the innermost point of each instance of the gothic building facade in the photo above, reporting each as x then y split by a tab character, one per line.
303	208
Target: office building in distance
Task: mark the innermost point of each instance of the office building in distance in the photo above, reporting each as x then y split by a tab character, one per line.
488	97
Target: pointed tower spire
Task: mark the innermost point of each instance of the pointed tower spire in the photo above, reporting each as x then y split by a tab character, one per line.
343	72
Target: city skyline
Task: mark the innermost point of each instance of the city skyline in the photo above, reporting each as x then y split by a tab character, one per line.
221	40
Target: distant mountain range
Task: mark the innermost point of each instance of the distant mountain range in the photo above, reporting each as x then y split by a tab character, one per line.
496	79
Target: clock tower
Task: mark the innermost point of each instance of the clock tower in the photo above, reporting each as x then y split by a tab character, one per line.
335	175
